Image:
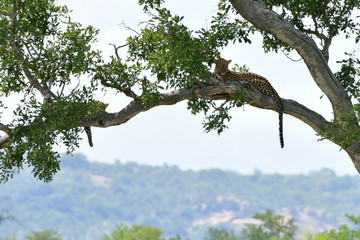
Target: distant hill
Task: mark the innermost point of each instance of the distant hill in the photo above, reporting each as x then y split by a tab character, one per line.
87	199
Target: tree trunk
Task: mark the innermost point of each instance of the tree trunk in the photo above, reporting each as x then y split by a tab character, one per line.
354	153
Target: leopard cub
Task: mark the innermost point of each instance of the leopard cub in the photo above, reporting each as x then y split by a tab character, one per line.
223	73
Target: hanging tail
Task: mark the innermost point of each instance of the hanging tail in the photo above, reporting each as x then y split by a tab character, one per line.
281	129
89	135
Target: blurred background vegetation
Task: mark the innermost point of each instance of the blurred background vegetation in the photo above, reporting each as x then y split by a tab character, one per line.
88	200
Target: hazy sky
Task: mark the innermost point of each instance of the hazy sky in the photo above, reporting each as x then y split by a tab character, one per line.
172	135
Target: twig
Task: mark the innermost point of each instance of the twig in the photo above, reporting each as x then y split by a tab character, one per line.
128	92
33	81
287	55
129	28
73	89
117	48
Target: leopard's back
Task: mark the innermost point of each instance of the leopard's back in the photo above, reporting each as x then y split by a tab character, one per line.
260	83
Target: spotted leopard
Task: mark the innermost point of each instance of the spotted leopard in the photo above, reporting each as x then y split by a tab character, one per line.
223	73
74	112
94	112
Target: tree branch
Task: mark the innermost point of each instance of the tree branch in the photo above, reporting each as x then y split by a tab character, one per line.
45	91
256	12
6	129
8	14
6	138
221	91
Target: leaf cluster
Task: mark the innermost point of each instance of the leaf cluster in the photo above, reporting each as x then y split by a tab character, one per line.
217	119
38	132
136	232
321	18
48	234
349	77
170	51
272	227
166	54
41	41
41	52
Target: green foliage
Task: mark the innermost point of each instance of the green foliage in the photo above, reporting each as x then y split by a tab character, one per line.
273	227
199	105
41	48
216	120
327	18
36	40
220	234
176	56
42	51
149	4
353	219
343	232
48	234
136	232
349	76
168	198
54	122
118	75
348	134
239	68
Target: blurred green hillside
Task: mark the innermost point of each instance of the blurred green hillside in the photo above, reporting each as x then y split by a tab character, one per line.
87	200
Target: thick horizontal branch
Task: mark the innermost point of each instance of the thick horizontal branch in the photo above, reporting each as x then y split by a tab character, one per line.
222	91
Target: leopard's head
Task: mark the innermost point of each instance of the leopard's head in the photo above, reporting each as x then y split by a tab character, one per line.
221	66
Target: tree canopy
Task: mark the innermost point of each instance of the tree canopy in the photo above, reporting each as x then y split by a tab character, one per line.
48	60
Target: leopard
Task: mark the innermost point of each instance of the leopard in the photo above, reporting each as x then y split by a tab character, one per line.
76	111
260	83
97	110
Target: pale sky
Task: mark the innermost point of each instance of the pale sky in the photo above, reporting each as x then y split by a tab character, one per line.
171	135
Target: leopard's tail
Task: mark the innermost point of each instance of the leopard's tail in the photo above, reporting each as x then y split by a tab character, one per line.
281	129
89	135
280	110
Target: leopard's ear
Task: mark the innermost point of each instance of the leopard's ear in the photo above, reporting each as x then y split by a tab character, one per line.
228	62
